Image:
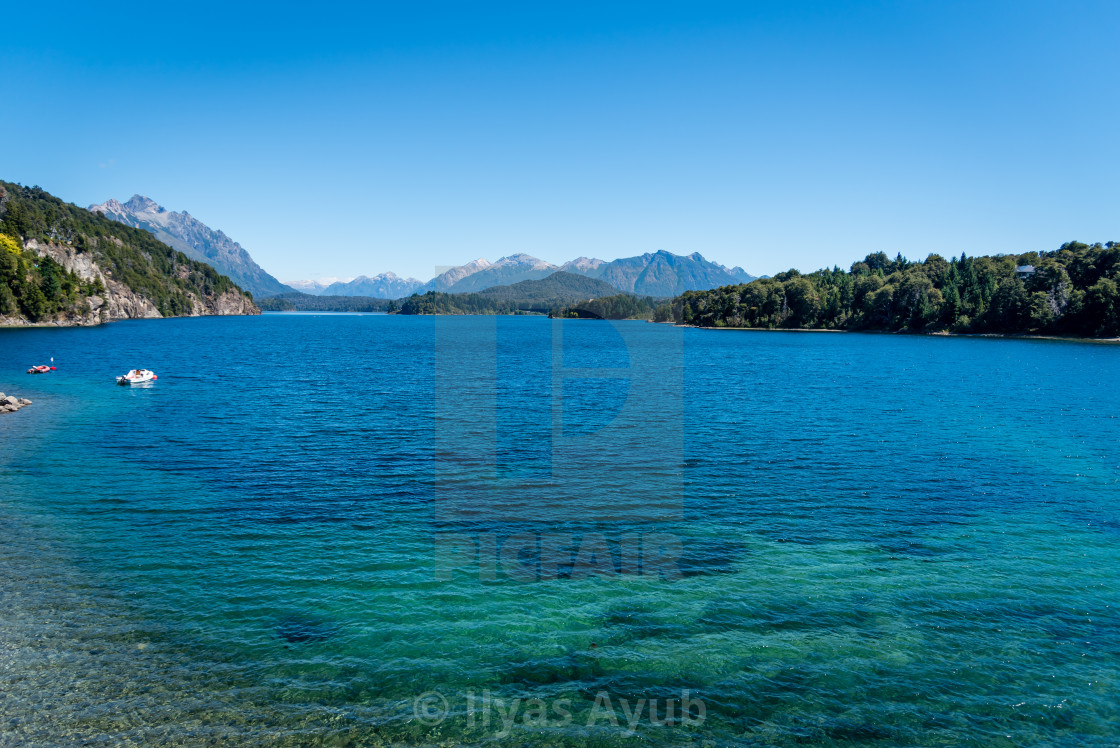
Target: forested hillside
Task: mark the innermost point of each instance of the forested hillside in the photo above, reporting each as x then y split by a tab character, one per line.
1070	291
540	296
60	262
303	302
619	306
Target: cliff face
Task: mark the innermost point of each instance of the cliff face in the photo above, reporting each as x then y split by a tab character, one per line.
118	300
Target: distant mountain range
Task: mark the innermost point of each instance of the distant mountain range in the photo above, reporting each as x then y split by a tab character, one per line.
541	296
558	290
315	287
194	239
659	274
558	287
383	286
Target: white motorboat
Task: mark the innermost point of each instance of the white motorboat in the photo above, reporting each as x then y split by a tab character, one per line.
137	376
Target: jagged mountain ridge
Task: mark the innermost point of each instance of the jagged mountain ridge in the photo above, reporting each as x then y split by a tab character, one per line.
481	274
195	239
660	274
664	274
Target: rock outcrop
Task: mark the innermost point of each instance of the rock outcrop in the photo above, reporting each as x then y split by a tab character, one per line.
11	403
119	301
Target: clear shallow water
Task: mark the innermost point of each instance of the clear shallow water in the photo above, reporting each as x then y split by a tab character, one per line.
882	540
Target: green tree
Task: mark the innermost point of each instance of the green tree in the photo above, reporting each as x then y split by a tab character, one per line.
803	301
1102	307
34	303
1010	310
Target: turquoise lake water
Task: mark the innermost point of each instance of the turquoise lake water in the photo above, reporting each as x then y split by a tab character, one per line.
356	530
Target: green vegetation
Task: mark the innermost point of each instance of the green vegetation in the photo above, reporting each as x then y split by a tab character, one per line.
1070	291
38	287
619	306
544	296
556	287
302	302
435	302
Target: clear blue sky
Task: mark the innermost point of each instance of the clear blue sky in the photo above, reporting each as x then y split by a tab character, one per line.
336	139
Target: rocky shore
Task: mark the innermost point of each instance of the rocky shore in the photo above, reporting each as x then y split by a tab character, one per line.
11	403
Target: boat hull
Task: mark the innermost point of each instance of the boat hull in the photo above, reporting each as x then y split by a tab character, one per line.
144	378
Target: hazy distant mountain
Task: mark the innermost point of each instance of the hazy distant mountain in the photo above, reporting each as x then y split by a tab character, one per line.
383	286
660	273
314	288
194	239
582	265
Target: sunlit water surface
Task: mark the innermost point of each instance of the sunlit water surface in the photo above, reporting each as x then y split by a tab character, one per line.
883	539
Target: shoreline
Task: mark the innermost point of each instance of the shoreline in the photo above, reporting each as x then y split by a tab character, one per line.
938	334
71	325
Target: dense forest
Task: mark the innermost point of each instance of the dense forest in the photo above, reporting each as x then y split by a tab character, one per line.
37	287
436	302
619	306
559	286
1070	291
302	302
544	296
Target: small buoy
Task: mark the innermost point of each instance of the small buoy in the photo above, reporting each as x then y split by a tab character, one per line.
54	368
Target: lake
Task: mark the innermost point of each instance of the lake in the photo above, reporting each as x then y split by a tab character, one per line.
385	530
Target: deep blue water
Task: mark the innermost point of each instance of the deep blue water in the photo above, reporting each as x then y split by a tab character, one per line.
354	529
